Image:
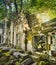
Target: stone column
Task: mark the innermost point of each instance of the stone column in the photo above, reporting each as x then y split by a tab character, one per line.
23	41
5	32
14	36
49	41
21	35
53	45
11	28
1	38
49	44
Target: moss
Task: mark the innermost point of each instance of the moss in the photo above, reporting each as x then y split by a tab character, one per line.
0	50
44	57
7	54
43	63
17	63
4	58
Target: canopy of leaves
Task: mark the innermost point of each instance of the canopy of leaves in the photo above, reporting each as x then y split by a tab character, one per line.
32	6
40	4
2	11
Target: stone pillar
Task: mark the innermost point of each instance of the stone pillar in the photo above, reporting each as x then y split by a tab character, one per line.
5	32
11	28
1	38
53	45
14	36
21	36
1	34
23	41
29	45
49	45
49	41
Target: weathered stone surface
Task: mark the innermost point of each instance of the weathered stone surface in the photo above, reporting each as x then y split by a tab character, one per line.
16	54
27	61
21	58
4	58
5	49
33	64
21	51
1	55
53	53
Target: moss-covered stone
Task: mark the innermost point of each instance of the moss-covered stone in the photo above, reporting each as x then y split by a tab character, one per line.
4	58
43	63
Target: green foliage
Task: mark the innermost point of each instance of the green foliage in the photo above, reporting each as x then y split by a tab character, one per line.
2	11
30	5
43	63
35	5
17	63
44	57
